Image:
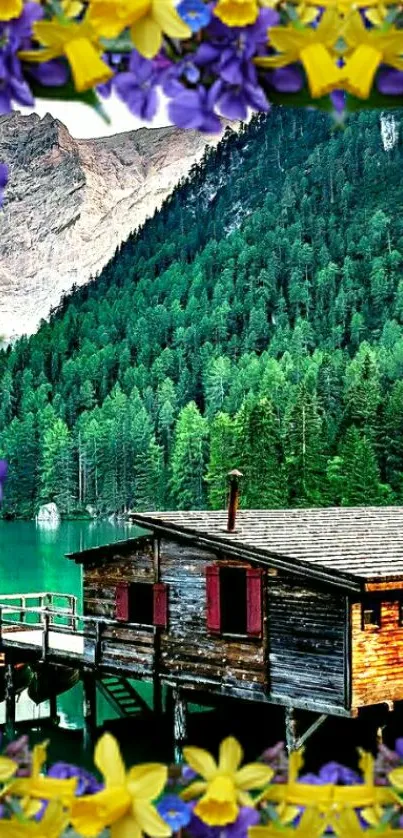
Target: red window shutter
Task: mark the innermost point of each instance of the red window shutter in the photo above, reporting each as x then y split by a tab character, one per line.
213	597
160	591
254	601
122	601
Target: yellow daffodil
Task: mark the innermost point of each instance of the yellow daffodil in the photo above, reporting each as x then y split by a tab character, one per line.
224	785
79	43
41	787
125	803
369	48
7	769
10	9
71	8
313	47
52	825
148	21
237	12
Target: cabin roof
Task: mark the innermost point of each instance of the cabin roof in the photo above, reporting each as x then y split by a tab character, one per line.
350	547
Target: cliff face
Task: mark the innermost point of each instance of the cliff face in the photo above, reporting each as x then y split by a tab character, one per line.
70	203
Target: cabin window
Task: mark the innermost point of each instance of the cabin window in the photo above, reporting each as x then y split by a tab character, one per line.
234	600
371	613
142	602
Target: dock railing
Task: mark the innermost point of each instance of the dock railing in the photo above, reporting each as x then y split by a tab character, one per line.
24	604
65	621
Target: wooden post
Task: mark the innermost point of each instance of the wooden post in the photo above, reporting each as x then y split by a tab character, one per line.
98	642
10	701
290	729
45	636
89	709
157	689
53	715
180	724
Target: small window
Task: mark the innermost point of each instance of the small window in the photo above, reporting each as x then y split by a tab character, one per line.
371	613
141	603
233	600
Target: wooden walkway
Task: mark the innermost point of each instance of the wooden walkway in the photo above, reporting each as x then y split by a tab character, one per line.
66	644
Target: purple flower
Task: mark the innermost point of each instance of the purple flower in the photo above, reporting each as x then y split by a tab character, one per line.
3	463
15	34
332	773
195	109
3	184
51	73
174	74
174	811
105	90
285	79
239	829
195	13
390	81
137	87
235	101
87	783
230	50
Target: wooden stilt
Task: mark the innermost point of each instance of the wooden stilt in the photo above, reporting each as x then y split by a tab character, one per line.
54	718
89	710
180	723
290	729
10	701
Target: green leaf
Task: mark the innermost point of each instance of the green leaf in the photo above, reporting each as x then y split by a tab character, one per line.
68	93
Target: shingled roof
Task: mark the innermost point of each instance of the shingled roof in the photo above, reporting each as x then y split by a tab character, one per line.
347	546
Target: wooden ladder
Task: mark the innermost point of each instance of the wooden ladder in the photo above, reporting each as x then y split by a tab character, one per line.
124	698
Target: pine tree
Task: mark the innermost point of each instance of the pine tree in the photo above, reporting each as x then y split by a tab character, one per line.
57	476
222	459
189	457
361	476
261	456
304	446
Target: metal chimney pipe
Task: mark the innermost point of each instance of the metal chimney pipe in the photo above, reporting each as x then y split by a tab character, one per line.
234	477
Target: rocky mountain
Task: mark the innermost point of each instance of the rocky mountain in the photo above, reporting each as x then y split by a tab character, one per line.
70	203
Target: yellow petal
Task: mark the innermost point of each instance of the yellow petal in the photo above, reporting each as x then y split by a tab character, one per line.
244	798
201	761
86	65
194	790
230	756
10	9
91	813
149	820
396	778
233	13
167	18
360	70
146	36
126	828
44	788
108	759
322	72
147	781
253	776
39	756
216	812
7	769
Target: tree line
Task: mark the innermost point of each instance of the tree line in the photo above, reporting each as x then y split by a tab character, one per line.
255	322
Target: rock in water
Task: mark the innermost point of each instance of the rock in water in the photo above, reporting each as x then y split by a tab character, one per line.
70	203
48	514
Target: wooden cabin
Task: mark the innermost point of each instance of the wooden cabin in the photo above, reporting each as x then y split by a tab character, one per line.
300	607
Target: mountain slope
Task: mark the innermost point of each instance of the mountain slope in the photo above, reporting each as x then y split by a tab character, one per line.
70	203
256	321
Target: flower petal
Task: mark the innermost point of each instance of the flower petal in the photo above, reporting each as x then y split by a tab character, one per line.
253	776
91	813
146	36
149	820
147	781
7	768
194	790
126	828
201	761
108	759
230	756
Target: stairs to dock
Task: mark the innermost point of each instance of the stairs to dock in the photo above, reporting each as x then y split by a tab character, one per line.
122	696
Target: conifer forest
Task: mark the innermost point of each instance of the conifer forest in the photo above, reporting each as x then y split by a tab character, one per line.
255	322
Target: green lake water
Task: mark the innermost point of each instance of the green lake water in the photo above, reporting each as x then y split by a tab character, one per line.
32	559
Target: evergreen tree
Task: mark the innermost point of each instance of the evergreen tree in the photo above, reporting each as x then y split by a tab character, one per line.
222	459
261	456
189	459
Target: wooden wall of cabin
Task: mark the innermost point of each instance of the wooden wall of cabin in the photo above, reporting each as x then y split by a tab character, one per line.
189	652
377	654
308	644
131	649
